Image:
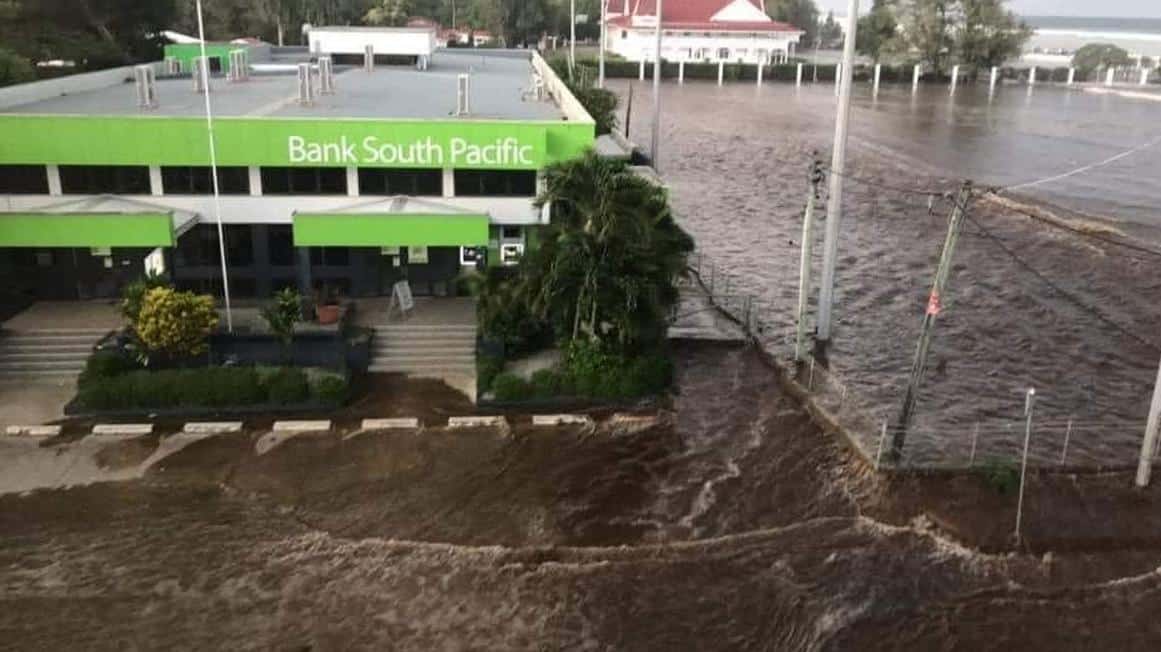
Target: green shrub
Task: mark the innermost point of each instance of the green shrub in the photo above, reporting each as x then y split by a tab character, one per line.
106	364
546	383
487	368
331	389
1003	476
510	387
287	385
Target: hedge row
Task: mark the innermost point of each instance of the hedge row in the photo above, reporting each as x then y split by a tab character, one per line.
205	387
587	372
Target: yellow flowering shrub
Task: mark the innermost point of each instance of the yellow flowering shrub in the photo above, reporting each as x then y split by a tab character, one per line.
176	323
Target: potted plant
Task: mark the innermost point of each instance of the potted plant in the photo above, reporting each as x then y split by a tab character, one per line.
281	316
327	309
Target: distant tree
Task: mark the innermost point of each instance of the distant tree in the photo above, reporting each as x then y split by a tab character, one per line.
1099	55
392	13
803	14
925	30
877	30
14	68
830	33
94	33
988	34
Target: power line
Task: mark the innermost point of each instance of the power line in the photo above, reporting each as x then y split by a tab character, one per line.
1083	168
1094	311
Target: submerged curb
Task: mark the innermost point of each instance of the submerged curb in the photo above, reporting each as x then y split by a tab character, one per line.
133	429
212	427
561	420
301	426
32	431
399	423
476	422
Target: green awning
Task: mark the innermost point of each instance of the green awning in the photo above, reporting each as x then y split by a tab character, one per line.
86	229
389	230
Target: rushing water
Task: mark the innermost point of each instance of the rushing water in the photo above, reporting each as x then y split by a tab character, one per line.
736	159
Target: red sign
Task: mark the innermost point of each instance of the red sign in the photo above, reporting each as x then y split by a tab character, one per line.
933	305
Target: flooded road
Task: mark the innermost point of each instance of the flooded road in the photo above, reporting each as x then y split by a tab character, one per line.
733	524
1028	307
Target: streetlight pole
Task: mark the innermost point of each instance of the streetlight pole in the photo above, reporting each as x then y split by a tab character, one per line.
657	95
571	36
601	50
837	168
205	72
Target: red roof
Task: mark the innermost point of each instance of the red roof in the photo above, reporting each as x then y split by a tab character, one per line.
694	15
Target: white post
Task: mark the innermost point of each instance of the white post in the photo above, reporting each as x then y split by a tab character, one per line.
975	443
798	75
641	69
804	280
995	78
1110	77
1067	436
915	73
681	72
882	438
954	78
1029	400
838	79
1144	76
205	73
653	152
878	75
759	74
1032	76
1071	76
571	36
604	35
721	71
1149	443
837	169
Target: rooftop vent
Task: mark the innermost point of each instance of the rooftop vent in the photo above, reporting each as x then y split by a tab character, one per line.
464	95
201	74
326	76
305	85
146	87
172	66
369	58
239	65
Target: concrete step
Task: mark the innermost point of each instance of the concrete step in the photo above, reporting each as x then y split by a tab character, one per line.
427	369
424	348
456	359
15	366
44	355
426	330
17	347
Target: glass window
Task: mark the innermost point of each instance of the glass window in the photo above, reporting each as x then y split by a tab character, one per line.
723	53
495	183
104	179
23	180
281	241
304	181
330	256
400	181
196	180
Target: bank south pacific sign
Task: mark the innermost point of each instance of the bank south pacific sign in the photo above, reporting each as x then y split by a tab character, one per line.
502	152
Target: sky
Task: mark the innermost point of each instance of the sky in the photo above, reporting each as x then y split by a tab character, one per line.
1104	8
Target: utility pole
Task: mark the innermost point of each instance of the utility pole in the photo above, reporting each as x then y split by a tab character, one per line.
804	281
1029	402
1149	444
601	51
834	206
934	306
657	96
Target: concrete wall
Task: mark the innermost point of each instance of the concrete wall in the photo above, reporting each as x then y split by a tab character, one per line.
14	96
405	41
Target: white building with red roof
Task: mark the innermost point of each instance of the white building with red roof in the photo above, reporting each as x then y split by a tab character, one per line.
734	31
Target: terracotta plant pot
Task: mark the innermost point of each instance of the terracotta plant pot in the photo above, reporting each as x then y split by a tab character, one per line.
328	314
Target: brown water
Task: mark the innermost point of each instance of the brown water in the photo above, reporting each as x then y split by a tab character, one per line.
737	526
736	160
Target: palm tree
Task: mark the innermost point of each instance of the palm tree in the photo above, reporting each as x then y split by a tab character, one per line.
608	264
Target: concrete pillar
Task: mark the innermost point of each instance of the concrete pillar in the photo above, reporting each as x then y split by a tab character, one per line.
156	187
53	180
916	72
449	182
302	271
1032	76
641	69
954	77
1144	76
838	76
760	74
1071	76
352	181
721	71
255	181
878	76
681	72
1110	77
798	75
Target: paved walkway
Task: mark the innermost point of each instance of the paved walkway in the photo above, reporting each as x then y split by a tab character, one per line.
35	402
65	315
428	311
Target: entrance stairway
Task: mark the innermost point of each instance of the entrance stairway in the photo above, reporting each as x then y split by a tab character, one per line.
433	351
55	354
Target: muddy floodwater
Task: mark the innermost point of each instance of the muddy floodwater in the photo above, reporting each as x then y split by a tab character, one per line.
731	524
1028	307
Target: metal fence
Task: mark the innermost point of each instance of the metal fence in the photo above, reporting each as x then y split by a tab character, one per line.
1072	444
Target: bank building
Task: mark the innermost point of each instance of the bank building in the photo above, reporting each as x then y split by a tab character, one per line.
367	157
